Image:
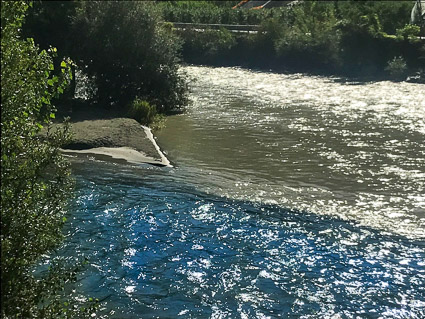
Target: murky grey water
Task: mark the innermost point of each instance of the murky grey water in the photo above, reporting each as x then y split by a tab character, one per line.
352	150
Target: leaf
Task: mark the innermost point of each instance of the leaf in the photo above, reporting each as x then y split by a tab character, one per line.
52	115
45	100
63	64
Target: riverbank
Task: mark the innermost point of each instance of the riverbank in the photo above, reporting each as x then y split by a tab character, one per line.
312	37
380	58
105	133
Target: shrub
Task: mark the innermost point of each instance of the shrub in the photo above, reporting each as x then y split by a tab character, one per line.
123	45
397	68
310	36
409	32
353	38
209	45
35	177
215	41
142	111
212	12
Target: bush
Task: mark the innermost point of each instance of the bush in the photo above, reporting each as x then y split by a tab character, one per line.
213	41
210	45
310	36
212	12
354	38
397	68
409	32
35	177
129	51
142	111
123	45
391	15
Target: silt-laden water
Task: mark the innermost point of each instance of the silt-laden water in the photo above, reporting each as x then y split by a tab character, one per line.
292	197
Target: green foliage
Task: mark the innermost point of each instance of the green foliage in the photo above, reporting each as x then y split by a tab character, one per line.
130	53
202	4
391	14
312	34
409	32
146	114
45	16
158	122
353	38
213	12
142	111
208	43
35	178
125	46
397	68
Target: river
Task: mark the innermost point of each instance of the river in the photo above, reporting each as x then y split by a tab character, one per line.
352	150
291	196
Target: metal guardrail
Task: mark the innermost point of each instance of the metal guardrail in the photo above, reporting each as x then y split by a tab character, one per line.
230	27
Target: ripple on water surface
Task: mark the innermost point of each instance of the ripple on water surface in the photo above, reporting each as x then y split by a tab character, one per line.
352	150
161	249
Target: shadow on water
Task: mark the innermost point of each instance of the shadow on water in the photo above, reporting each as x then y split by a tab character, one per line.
159	248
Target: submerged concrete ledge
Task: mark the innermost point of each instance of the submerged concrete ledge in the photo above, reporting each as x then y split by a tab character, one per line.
119	138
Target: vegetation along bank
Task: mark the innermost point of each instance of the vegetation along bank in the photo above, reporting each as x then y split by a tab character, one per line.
131	60
345	38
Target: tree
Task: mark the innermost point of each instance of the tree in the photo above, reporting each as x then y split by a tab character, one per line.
130	52
309	35
35	179
125	46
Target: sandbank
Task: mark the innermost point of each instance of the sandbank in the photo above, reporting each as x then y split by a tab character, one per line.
119	138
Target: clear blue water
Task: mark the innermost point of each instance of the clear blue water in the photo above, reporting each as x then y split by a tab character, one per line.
158	247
